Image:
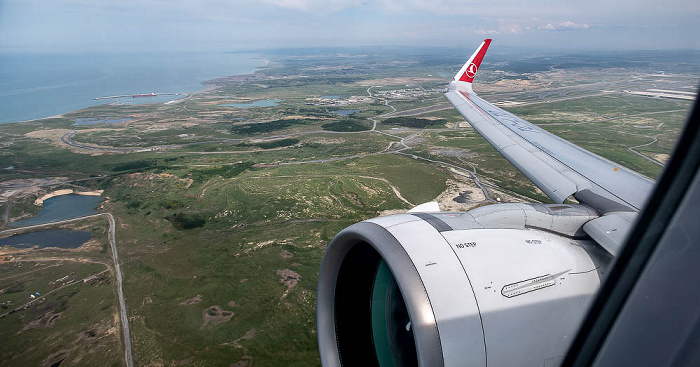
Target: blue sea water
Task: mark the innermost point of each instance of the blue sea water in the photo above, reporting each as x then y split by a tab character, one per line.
41	85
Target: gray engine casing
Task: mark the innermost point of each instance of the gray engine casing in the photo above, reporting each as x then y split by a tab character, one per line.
501	285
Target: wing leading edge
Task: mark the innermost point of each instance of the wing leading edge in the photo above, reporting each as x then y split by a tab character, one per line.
559	168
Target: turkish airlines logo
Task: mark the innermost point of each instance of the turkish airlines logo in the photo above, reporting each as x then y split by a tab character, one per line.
471	70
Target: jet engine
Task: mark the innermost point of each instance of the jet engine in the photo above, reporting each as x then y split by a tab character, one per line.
500	285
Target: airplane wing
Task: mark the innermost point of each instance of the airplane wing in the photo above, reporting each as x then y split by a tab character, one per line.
559	168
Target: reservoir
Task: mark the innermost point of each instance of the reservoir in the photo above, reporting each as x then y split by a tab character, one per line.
344	112
61	208
61	238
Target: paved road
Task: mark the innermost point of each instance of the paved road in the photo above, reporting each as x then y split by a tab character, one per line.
128	358
631	149
477	181
419	111
18	229
67	138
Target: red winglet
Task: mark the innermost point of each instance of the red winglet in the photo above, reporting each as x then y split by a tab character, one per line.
469	69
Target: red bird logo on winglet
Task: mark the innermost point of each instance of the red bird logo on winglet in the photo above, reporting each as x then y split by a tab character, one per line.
469	70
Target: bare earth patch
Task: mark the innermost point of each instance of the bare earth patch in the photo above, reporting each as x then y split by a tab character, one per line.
47	320
286	254
460	195
55	359
663	158
215	315
192	301
250	334
53	135
289	278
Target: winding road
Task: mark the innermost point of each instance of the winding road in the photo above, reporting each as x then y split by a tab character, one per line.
631	149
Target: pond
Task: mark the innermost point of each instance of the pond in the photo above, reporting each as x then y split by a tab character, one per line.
344	112
261	103
61	238
61	208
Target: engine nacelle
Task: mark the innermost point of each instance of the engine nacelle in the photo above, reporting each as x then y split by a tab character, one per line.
503	285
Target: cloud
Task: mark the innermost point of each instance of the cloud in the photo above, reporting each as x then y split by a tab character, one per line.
316	5
563	26
186	24
486	31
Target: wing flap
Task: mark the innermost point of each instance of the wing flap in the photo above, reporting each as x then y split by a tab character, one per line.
611	230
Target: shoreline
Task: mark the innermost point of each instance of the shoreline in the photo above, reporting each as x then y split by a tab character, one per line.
191	87
40	200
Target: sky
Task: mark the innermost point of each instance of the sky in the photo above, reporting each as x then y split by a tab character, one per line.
220	25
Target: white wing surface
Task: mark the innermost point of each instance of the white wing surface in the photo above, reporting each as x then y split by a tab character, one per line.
559	168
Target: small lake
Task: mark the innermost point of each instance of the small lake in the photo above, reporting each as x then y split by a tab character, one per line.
62	238
98	120
261	103
61	208
344	112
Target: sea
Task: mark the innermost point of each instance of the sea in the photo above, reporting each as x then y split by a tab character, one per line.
36	86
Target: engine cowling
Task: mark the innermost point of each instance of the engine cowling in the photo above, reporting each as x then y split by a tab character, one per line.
502	285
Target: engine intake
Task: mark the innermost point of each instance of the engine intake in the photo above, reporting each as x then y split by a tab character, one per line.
505	284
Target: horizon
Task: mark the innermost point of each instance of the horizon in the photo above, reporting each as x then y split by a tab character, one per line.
70	26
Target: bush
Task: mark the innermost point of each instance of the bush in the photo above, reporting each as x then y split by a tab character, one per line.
15	288
271	144
345	126
266	127
204	174
414	122
184	221
136	165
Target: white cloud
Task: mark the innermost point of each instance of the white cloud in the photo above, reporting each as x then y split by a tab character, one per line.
568	25
185	24
486	31
316	5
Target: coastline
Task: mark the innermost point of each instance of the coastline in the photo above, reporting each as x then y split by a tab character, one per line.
47	95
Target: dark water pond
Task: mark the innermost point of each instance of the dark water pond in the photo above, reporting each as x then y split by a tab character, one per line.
61	208
62	238
344	112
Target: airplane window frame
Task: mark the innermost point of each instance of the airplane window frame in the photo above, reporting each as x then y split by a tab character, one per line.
644	239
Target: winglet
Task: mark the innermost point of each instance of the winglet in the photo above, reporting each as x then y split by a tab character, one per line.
468	71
